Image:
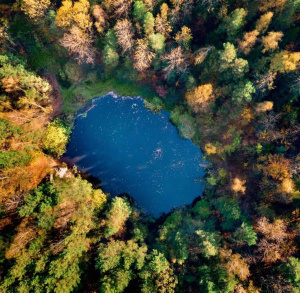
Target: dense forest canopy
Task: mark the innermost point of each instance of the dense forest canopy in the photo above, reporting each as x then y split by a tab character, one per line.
229	73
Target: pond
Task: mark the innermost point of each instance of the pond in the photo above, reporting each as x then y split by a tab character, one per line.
135	151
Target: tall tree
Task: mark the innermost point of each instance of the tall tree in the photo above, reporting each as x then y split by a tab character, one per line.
124	33
142	56
200	97
35	9
117	216
184	37
79	44
176	62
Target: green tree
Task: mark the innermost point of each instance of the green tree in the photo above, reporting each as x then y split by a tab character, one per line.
209	243
148	23
245	234
230	210
157	275
55	138
22	88
227	56
215	279
290	270
157	43
110	54
242	92
234	23
116	217
202	209
118	262
139	10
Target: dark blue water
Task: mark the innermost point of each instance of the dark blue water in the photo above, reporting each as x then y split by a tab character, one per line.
134	151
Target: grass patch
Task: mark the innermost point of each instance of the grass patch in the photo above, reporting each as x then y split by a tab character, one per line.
79	94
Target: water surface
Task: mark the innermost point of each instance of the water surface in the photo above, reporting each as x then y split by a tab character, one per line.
134	151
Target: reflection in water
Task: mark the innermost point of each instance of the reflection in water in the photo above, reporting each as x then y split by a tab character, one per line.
132	150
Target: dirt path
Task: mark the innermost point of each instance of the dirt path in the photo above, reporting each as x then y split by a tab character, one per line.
57	99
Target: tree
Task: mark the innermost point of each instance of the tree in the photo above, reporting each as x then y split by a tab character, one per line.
23	88
157	43
124	33
276	231
214	279
173	235
275	243
227	56
116	217
77	14
142	56
35	8
270	42
184	37
122	8
234	22
248	41
238	185
157	275
101	18
201	54
139	10
185	123
162	25
209	243
117	262
164	10
176	62
50	260
202	209
110	54
155	105
150	4
290	270
264	21
245	234
278	167
148	23
239	68
230	210
235	264
285	61
110	58
55	138
200	97
232	67
242	92
264	106
79	43
266	5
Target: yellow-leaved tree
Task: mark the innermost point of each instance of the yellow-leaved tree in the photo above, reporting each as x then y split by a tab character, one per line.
55	138
263	23
77	14
200	97
35	8
76	20
184	37
270	42
285	61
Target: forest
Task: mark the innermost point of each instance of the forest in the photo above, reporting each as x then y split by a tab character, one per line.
228	71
